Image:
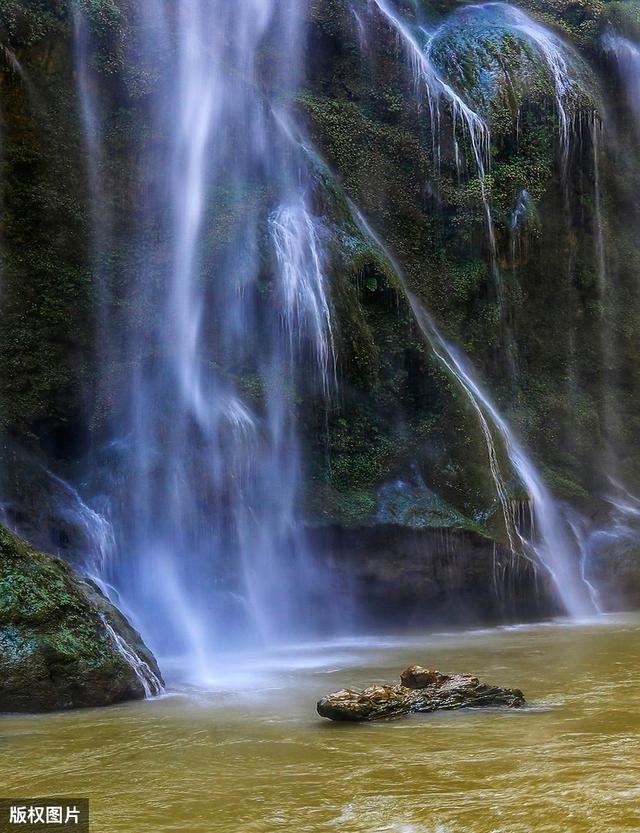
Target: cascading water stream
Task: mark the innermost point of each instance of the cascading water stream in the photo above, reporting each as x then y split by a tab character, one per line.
552	543
305	303
150	683
427	77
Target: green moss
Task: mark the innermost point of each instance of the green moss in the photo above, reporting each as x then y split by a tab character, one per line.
55	650
492	66
579	21
417	507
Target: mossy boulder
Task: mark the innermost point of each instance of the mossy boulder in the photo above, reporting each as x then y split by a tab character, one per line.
62	643
421	193
498	59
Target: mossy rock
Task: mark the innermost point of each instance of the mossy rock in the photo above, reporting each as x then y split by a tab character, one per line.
56	649
415	506
497	59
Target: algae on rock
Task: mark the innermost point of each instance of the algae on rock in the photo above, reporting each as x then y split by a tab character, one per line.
61	640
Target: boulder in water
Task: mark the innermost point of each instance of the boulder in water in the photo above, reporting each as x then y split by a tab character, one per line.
63	645
421	690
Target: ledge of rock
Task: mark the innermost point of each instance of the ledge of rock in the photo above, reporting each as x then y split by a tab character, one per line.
420	690
63	645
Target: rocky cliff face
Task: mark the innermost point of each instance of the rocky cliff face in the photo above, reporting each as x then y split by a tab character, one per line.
539	346
543	298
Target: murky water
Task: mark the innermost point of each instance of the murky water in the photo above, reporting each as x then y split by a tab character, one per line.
253	755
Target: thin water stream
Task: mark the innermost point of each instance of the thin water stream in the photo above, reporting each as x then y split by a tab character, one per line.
552	544
250	754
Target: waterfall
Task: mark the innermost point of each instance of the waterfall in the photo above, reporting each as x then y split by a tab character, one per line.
224	317
303	286
552	543
228	314
627	55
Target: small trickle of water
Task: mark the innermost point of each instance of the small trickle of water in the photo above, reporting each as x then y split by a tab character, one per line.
522	207
10	60
145	676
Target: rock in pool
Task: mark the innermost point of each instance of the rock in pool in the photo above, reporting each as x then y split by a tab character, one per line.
63	645
420	690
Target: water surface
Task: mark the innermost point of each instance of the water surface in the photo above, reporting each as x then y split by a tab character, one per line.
251	755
